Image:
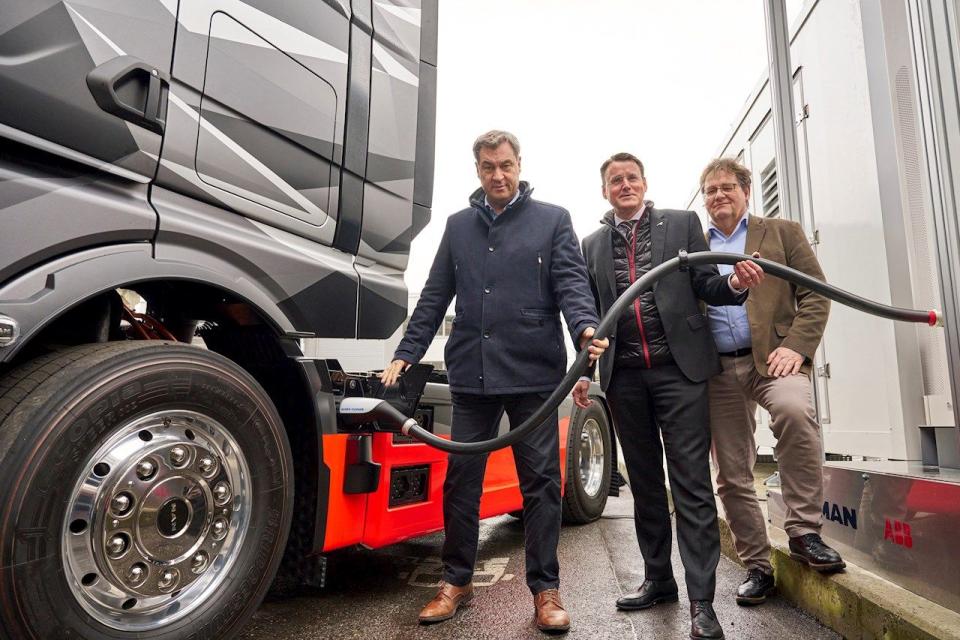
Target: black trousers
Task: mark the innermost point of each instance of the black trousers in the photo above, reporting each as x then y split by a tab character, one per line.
648	404
477	417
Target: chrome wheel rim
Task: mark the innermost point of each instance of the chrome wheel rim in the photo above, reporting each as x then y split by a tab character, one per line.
591	457
156	520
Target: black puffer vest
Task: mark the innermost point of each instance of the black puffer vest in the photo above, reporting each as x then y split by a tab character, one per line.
641	341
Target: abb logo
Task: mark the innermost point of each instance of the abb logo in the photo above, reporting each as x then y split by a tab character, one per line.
898	533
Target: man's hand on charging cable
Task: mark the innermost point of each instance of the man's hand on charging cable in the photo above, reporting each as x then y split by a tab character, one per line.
746	275
597	347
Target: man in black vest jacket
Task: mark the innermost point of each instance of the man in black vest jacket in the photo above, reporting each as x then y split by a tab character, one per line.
655	373
513	264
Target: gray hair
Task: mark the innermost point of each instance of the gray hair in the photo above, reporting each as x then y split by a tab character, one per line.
492	140
729	165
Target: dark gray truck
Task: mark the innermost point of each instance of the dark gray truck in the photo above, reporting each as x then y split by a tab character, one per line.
188	190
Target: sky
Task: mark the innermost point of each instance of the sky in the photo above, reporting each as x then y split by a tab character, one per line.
579	80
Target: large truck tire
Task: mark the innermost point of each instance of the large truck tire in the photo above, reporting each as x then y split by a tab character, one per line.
589	465
146	491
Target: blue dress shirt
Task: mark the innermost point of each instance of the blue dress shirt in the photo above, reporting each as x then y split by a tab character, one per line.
729	324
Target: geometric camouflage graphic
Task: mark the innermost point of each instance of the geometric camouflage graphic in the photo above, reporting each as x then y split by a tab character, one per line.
257	98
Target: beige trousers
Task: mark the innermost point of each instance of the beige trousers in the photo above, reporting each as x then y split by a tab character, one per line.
734	395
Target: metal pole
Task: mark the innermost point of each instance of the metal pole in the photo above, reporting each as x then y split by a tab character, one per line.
939	51
783	110
782	107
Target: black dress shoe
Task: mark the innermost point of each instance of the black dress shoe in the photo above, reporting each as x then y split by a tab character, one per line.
703	621
756	588
809	548
651	592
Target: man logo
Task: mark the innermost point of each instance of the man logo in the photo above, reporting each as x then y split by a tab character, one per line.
840	514
173	517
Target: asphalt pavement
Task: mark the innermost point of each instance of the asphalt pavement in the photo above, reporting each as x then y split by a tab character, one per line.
378	593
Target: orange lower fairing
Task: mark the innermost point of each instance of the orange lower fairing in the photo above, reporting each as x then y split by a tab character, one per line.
368	519
345	513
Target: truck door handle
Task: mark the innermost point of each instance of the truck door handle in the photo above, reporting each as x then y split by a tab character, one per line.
130	89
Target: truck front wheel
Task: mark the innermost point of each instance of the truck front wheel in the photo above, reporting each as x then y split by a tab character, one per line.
145	492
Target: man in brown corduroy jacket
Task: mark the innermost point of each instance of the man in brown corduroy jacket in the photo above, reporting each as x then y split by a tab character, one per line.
766	348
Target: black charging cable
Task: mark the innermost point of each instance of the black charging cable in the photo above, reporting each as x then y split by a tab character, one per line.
608	322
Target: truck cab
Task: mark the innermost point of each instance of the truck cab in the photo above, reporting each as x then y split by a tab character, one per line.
188	191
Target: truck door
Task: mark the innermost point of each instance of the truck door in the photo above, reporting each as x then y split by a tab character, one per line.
396	189
257	106
59	59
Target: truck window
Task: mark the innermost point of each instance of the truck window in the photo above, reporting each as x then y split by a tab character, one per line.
261	105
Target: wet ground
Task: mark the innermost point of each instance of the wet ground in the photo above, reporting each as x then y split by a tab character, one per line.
377	594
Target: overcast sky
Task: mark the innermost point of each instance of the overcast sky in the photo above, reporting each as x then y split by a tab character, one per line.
579	80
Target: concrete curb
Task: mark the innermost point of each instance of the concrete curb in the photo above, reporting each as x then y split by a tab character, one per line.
857	604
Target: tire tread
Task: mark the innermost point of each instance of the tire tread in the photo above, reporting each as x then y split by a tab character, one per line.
20	384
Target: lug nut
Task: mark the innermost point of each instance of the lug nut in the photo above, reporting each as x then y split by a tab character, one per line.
178	455
136	574
207	465
121	503
116	546
146	469
198	562
219	528
168	580
221	493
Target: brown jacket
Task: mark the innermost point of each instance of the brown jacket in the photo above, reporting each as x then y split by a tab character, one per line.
781	313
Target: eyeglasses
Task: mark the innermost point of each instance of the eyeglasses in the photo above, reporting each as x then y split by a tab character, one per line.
727	188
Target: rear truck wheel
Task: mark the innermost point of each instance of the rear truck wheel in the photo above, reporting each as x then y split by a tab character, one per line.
589	465
145	492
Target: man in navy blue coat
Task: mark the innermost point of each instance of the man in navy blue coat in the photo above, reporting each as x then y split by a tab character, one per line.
513	264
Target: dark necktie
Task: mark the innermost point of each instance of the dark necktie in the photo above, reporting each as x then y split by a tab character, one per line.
626	228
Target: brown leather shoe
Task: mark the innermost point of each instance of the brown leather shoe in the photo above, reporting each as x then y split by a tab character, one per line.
551	616
445	603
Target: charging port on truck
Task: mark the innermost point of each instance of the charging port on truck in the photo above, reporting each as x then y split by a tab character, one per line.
409	485
404	396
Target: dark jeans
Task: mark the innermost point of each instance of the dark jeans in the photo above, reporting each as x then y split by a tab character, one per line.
477	417
648	404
